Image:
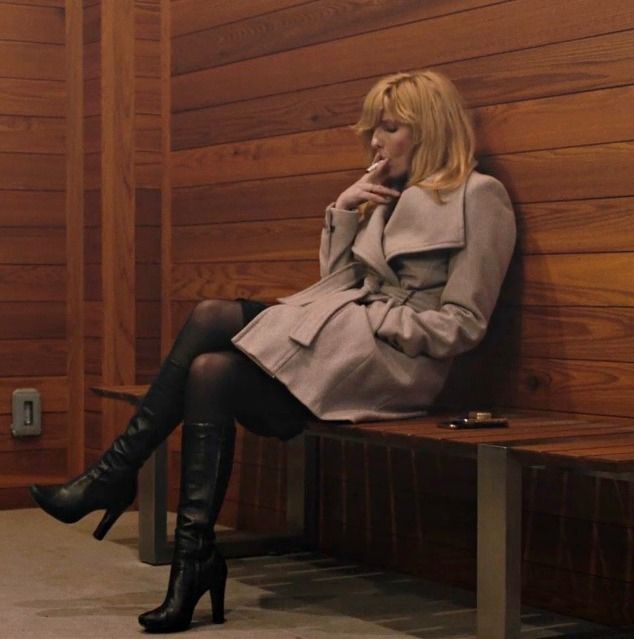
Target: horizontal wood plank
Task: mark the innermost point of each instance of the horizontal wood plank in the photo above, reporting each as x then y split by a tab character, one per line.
54	434
27	97
562	332
24	357
32	208
592	117
505	27
300	26
31	172
32	283
576	226
29	134
27	320
300	153
31	61
271	199
259	280
601	225
54	392
41	3
562	174
513	76
32	24
32	245
147	245
24	461
567	385
596	279
294	239
192	15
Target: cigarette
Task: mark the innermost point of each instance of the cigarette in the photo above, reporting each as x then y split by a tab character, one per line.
373	166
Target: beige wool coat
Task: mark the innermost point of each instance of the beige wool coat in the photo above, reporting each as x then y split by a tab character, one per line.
401	293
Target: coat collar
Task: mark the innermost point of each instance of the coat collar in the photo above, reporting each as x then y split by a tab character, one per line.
418	223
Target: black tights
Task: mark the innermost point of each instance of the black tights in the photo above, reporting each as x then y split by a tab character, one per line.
224	382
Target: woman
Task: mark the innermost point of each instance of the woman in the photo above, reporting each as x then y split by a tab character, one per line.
412	258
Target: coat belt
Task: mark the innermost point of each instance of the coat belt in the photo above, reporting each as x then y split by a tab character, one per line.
305	331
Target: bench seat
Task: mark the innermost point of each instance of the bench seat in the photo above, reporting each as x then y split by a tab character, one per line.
592	447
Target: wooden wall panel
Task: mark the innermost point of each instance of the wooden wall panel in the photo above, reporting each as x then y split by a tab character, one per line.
33	278
32	24
260	145
299	26
448	38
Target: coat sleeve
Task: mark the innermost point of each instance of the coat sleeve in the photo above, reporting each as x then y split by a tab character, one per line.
474	277
340	229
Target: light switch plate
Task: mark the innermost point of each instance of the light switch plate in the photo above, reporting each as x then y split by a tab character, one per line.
26	412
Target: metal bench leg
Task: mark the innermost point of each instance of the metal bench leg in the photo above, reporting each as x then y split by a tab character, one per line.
152	496
499	543
302	487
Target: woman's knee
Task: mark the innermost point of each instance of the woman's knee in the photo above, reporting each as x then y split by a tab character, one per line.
215	368
211	312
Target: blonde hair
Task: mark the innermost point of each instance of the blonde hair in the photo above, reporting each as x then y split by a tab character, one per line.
429	103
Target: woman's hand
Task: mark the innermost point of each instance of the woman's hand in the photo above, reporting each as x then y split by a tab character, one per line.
368	188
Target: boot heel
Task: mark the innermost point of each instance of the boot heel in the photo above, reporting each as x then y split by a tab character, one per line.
217	594
111	515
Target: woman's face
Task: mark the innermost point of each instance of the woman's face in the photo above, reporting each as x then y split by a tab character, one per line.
392	140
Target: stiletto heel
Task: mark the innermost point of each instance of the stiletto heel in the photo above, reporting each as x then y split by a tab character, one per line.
217	595
110	517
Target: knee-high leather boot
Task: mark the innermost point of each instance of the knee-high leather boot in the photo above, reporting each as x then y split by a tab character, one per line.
197	566
111	482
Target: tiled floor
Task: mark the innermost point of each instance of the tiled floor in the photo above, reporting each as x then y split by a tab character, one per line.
59	583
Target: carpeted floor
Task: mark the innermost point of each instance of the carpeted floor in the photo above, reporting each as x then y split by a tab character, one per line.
57	582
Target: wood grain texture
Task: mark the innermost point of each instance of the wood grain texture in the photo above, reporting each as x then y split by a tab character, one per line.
32	24
31	61
548	70
280	240
300	26
561	174
259	280
604	333
505	27
19	96
23	463
32	357
271	199
32	208
120	59
601	388
593	117
33	246
25	320
597	279
75	233
192	15
40	3
300	153
32	172
32	283
29	134
576	226
54	391
54	434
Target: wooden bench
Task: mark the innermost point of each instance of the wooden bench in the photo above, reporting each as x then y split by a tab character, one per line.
595	448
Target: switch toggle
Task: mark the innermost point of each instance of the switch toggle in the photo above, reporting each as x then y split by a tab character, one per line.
27	412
